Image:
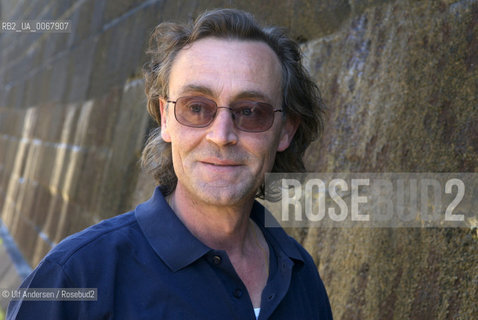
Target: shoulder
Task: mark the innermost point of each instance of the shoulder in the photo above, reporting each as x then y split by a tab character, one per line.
311	282
103	236
308	266
79	261
303	252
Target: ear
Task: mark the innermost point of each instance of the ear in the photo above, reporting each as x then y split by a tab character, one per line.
287	133
164	120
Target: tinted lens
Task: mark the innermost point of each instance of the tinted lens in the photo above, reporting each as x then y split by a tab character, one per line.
199	112
252	116
195	111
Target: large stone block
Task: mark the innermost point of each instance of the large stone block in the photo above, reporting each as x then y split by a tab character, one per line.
10	279
60	80
81	66
384	69
122	166
82	20
116	9
102	119
105	74
397	80
97	16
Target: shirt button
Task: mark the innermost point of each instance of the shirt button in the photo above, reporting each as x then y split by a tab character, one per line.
217	260
284	268
237	293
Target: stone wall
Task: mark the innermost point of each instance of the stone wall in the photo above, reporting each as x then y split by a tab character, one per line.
400	81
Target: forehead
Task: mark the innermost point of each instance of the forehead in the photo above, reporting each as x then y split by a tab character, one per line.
226	67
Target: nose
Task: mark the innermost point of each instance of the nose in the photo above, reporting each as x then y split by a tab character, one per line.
222	131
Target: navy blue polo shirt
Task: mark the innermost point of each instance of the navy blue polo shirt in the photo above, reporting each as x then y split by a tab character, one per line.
147	265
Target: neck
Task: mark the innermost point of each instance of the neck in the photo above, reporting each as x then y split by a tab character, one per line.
218	227
228	228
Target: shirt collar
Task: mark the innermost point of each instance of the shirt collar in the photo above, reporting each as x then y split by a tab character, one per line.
168	236
274	234
178	247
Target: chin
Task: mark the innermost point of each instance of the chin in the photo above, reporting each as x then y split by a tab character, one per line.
224	195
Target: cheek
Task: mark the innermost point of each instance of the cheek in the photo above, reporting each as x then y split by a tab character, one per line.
179	157
184	140
264	150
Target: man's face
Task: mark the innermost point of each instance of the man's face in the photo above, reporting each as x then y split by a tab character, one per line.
219	164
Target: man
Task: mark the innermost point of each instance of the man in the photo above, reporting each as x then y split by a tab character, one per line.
233	102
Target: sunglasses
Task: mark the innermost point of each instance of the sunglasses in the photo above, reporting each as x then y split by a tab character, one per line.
199	112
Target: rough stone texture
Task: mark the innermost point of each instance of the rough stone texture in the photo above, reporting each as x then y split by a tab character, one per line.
400	79
69	166
8	276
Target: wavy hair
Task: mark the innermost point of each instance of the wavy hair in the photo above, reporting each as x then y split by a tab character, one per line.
300	95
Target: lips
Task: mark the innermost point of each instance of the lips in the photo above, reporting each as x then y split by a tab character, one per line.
220	162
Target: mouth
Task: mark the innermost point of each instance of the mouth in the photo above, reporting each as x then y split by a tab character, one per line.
220	162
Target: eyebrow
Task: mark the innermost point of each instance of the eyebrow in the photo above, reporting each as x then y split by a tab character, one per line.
247	94
253	94
196	88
